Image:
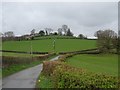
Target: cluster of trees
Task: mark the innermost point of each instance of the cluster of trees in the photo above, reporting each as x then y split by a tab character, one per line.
65	30
47	31
61	31
107	40
8	34
81	36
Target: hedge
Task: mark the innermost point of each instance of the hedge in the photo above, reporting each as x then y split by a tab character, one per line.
24	52
49	66
10	60
65	76
87	51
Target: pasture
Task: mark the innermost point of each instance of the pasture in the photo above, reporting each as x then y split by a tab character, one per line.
102	63
46	45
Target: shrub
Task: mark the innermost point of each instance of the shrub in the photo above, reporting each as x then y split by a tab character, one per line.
65	76
49	66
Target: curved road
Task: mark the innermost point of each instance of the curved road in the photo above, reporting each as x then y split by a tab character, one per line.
25	78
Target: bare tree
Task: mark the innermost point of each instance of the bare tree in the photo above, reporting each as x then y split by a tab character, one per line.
46	32
69	33
33	32
59	31
98	34
106	40
65	28
9	34
49	30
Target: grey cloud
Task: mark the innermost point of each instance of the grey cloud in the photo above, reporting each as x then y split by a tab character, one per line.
83	18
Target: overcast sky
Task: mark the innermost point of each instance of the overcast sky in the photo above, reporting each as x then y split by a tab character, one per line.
84	18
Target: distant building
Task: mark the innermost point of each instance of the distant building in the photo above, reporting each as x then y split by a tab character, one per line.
92	38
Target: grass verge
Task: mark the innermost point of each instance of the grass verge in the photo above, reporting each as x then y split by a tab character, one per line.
44	82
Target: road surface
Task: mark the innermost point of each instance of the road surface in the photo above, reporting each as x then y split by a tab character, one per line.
25	78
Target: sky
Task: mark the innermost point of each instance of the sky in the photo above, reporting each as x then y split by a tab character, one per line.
81	17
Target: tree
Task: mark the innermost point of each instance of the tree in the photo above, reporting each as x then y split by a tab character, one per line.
55	33
41	33
46	32
116	42
32	37
99	34
59	31
49	30
65	28
106	40
33	32
9	34
69	33
81	36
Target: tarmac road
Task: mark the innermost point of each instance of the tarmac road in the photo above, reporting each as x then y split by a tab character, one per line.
25	78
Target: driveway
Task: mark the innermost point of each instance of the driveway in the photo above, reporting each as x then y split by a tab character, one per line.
25	78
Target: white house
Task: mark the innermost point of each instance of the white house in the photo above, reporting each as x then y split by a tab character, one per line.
92	37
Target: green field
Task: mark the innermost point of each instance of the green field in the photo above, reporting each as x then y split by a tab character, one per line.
107	64
46	45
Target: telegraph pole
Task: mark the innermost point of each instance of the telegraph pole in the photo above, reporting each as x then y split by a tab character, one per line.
54	45
31	47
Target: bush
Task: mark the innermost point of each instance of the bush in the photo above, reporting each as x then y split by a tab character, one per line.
65	76
49	66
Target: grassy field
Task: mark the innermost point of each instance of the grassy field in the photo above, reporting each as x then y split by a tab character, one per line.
107	64
46	45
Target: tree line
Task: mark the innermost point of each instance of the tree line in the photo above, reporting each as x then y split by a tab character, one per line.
64	30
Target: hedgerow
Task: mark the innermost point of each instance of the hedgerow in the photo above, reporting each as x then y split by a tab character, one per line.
10	60
49	66
65	76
